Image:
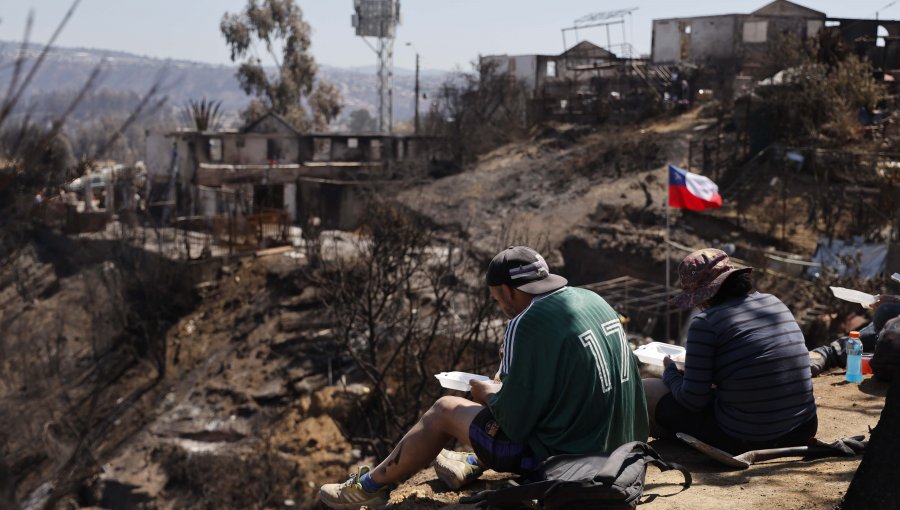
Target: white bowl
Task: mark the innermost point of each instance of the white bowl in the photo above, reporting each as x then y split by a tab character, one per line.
458	380
654	353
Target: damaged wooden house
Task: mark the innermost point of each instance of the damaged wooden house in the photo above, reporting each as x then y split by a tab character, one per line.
269	167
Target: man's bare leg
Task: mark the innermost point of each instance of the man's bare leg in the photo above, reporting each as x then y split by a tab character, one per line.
448	417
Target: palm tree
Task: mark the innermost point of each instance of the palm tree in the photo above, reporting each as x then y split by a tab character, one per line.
203	115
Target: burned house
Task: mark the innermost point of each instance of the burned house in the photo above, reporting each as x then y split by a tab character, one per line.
582	84
538	73
873	39
269	166
728	53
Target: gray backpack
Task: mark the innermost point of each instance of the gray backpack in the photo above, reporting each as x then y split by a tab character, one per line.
563	482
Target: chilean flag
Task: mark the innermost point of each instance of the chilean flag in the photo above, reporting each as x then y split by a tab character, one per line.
692	191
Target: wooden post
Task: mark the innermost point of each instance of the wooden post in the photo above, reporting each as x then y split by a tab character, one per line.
667	255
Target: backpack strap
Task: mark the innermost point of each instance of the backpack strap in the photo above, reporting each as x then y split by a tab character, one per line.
613	466
653	457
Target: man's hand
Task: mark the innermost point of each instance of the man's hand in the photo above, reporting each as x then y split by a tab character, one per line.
668	361
884	298
481	390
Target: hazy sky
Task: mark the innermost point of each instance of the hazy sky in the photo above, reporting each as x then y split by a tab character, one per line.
447	33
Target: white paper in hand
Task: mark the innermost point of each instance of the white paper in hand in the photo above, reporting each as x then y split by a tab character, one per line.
854	296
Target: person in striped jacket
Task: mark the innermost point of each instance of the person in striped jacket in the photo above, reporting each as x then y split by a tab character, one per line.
746	383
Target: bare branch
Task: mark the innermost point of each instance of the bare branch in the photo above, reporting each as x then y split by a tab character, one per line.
8	105
20	60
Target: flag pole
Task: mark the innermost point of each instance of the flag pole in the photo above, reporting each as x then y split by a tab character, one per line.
668	319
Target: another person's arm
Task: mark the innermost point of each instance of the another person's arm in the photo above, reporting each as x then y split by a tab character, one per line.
693	389
883	299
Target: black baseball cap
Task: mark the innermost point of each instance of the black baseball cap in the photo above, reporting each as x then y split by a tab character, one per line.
523	268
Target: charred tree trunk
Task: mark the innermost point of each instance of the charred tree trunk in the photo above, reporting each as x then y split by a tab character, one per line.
874	486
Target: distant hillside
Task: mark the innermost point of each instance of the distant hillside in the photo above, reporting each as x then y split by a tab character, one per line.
65	69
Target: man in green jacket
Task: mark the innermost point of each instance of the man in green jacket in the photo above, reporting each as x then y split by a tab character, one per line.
570	384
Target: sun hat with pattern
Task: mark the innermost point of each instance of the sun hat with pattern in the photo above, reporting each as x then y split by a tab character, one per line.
701	274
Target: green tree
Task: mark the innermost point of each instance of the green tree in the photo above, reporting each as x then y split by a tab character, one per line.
278	27
361	120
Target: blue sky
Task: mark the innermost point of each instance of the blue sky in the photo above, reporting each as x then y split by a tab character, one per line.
447	33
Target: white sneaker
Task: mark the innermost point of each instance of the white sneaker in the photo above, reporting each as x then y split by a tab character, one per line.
350	495
454	470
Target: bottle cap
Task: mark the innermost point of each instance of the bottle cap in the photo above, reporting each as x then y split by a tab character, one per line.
854	334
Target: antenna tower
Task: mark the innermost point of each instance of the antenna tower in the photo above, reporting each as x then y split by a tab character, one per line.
379	19
605	20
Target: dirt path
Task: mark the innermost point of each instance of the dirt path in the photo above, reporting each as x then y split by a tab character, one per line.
844	410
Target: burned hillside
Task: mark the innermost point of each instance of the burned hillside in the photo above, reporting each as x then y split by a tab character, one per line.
250	313
252	376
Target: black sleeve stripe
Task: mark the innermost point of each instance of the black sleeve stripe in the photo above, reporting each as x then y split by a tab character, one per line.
761	362
720	318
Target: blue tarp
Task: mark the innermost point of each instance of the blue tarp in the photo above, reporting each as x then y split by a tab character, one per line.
848	259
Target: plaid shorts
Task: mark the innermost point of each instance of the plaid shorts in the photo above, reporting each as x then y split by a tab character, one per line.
495	450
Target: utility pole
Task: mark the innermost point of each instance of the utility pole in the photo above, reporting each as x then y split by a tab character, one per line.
416	112
417	94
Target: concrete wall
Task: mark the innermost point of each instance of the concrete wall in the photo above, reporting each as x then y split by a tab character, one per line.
239	150
666	42
253	152
158	155
712	39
